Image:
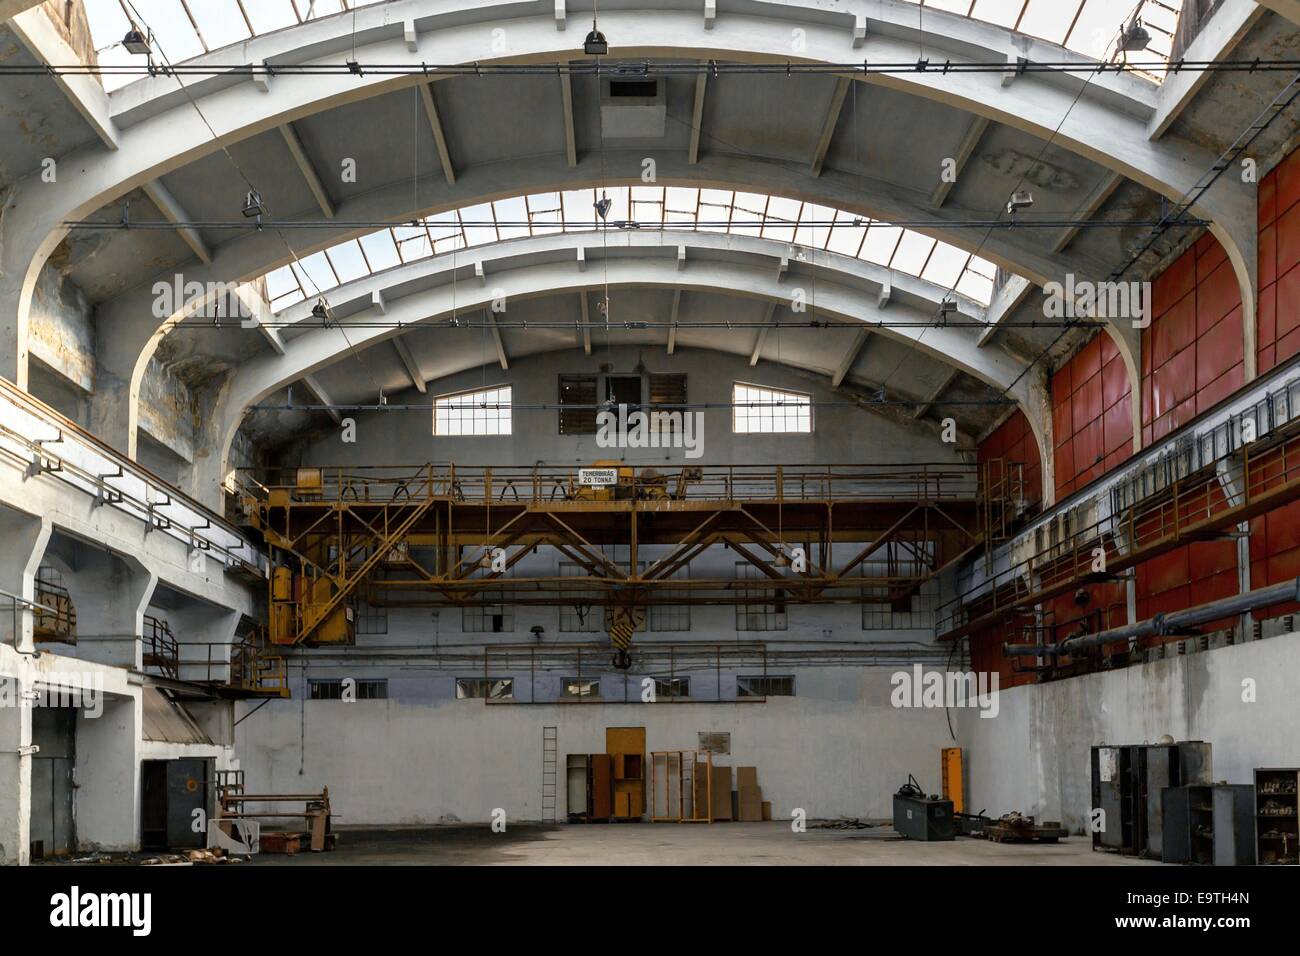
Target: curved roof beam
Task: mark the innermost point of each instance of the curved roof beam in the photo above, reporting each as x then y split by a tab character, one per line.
652	208
159	131
531	268
123	355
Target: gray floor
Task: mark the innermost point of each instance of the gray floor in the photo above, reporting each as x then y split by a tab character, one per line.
760	844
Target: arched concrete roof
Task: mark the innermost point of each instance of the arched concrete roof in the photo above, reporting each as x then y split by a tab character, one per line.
549	265
156	130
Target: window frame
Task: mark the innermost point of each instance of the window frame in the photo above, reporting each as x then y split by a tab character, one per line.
779	392
509	411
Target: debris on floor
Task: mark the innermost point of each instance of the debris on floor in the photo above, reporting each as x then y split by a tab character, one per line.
1016	827
844	824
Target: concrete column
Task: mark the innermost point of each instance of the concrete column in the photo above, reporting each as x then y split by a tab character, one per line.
15	762
25	537
111	595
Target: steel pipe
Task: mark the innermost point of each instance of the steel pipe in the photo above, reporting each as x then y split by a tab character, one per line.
1165	624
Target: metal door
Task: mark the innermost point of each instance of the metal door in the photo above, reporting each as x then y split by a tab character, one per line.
187	791
53	830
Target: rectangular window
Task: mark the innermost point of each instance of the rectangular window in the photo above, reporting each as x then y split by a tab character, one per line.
758	410
763	608
337	689
579	616
371	620
584	688
672	687
667	396
762	686
485	688
672	617
484	412
487	619
624	389
889	570
577	404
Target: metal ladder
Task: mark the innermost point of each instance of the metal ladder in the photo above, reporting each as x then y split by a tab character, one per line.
550	754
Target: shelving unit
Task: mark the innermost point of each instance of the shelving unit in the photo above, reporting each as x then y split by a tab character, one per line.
1277	816
1188	825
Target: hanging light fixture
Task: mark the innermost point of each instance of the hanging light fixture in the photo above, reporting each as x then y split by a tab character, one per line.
1020	199
1135	37
137	42
603	205
319	312
253	206
595	44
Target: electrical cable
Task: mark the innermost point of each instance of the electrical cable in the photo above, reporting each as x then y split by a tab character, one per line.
253	191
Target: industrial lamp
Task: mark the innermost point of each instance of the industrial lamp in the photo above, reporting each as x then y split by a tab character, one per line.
137	42
318	311
1020	199
595	44
782	560
603	205
1134	37
253	207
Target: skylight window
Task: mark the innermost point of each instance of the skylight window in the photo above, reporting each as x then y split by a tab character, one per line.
1089	27
184	29
655	207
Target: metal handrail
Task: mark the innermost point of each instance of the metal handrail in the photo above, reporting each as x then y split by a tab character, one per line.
19	605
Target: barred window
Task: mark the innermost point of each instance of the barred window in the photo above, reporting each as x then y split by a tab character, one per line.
672	687
584	688
485	688
487	619
764	686
763	608
897	562
371	620
672	617
336	689
577	404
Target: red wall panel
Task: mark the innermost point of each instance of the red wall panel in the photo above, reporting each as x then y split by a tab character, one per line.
1192	354
1279	264
1092	416
1014	441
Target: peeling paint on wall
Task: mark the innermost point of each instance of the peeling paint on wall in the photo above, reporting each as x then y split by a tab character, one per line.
167	411
60	330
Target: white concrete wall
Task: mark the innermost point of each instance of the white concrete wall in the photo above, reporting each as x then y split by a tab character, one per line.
1034	757
836	749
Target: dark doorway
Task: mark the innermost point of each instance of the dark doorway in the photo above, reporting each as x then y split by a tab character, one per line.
172	790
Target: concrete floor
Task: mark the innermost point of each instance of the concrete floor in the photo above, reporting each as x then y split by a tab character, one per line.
760	844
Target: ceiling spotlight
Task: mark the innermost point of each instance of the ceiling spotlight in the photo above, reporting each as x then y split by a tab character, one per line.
603	205
595	44
1020	199
253	207
137	42
1134	37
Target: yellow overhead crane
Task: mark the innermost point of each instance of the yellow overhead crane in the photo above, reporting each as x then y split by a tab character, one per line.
448	535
